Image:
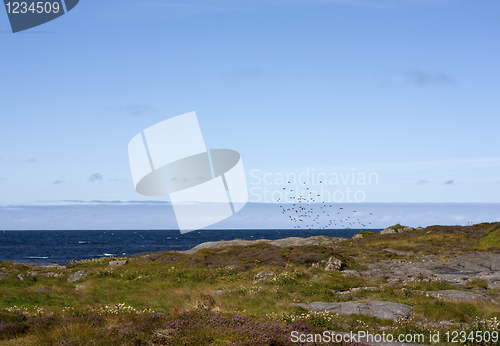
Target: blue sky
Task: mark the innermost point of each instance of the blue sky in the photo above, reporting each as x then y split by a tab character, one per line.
406	90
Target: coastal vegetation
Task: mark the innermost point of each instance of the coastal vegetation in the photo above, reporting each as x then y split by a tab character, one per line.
256	294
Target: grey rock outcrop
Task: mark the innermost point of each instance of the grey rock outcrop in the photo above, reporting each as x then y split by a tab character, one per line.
396	229
378	309
43	290
458	270
400	253
52	274
350	272
491	277
216	292
80	287
22	277
333	264
291	241
3	276
81	274
356	289
262	276
460	295
117	263
388	231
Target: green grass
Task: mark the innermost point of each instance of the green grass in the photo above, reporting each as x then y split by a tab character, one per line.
491	240
397	226
477	283
367	234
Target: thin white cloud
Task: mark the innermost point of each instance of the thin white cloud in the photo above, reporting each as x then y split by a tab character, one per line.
138	109
424	78
95	177
97	201
243	74
419	165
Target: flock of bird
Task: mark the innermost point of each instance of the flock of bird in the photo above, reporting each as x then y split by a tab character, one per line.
303	213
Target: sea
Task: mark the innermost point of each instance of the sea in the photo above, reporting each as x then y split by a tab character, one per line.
61	247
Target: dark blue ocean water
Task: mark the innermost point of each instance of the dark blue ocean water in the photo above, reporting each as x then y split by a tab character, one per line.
64	246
